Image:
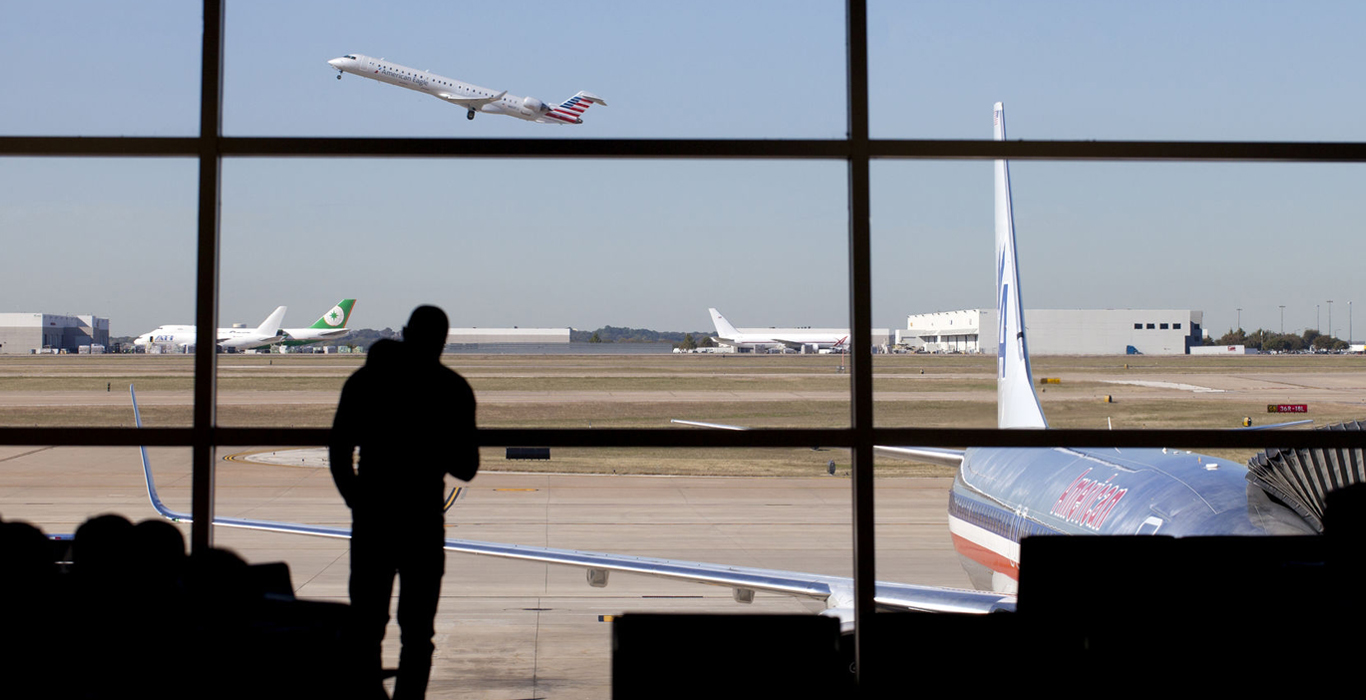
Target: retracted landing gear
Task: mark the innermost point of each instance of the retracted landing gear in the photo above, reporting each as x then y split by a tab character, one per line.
470	115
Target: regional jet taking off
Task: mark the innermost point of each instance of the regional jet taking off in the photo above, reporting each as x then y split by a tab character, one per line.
268	333
472	97
794	338
999	496
330	325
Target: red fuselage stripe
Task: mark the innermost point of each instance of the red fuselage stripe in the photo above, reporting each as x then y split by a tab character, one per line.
986	557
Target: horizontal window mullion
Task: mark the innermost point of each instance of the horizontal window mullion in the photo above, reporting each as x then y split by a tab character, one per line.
275	147
669	437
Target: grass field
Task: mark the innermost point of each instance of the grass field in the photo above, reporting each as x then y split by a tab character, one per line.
648	390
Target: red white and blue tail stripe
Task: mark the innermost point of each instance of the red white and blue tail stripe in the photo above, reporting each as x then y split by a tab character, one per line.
571	110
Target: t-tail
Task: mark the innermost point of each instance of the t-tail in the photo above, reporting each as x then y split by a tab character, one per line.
1017	406
571	110
723	328
336	317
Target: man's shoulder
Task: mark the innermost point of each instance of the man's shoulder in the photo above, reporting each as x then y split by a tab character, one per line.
452	380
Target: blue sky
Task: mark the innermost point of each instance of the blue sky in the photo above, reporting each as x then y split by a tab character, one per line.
590	243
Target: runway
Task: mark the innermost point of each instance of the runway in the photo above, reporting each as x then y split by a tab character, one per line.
512	629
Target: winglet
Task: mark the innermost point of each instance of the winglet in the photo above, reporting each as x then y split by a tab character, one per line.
337	316
157	505
1017	406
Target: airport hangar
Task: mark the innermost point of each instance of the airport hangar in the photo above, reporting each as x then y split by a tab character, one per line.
493	338
1061	331
30	333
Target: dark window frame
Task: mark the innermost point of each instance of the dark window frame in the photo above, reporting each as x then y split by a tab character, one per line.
857	150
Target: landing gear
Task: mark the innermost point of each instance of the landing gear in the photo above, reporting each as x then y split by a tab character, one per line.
339	75
470	115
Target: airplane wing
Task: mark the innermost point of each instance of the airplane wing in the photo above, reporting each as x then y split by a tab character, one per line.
836	592
933	455
471	102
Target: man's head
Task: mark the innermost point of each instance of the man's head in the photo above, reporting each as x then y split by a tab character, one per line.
426	331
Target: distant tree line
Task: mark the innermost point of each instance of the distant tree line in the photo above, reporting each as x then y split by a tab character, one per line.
1268	341
613	334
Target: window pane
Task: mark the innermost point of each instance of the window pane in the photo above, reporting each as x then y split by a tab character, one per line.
57	488
95	68
504	623
1069	70
689	70
597	247
100	251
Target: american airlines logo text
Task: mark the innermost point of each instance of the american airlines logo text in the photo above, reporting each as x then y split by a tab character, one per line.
1088	502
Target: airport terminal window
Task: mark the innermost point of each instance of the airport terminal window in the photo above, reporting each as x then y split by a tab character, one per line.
855	151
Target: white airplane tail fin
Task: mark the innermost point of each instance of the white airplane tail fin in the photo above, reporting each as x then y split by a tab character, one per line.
723	327
271	325
572	109
1017	406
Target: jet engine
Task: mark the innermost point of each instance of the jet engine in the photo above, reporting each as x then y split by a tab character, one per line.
531	105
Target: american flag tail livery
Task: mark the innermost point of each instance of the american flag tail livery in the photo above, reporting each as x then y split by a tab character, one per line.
571	110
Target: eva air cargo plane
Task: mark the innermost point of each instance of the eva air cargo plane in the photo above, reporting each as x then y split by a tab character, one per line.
329	326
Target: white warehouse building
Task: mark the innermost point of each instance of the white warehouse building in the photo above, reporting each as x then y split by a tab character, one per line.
489	338
26	333
1060	331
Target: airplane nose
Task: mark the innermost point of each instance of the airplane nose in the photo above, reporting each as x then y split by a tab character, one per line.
335	63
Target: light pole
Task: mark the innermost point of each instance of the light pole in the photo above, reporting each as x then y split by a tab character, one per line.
1282	319
1317	327
1330	318
1240	318
1349	324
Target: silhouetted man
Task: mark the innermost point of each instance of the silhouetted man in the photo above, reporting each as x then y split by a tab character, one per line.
413	419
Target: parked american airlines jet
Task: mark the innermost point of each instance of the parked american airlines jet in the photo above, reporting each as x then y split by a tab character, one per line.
268	333
472	97
999	496
794	338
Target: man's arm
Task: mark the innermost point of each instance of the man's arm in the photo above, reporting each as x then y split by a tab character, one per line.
465	450
342	443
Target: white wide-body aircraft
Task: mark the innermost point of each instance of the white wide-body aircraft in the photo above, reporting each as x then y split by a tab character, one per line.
999	496
472	97
794	338
268	333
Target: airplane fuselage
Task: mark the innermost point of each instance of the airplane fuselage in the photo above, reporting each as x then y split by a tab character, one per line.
760	341
472	97
1000	496
182	336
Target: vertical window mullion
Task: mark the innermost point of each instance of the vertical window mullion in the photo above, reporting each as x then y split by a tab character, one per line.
206	278
861	330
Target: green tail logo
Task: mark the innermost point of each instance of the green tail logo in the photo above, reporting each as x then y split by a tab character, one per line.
337	316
